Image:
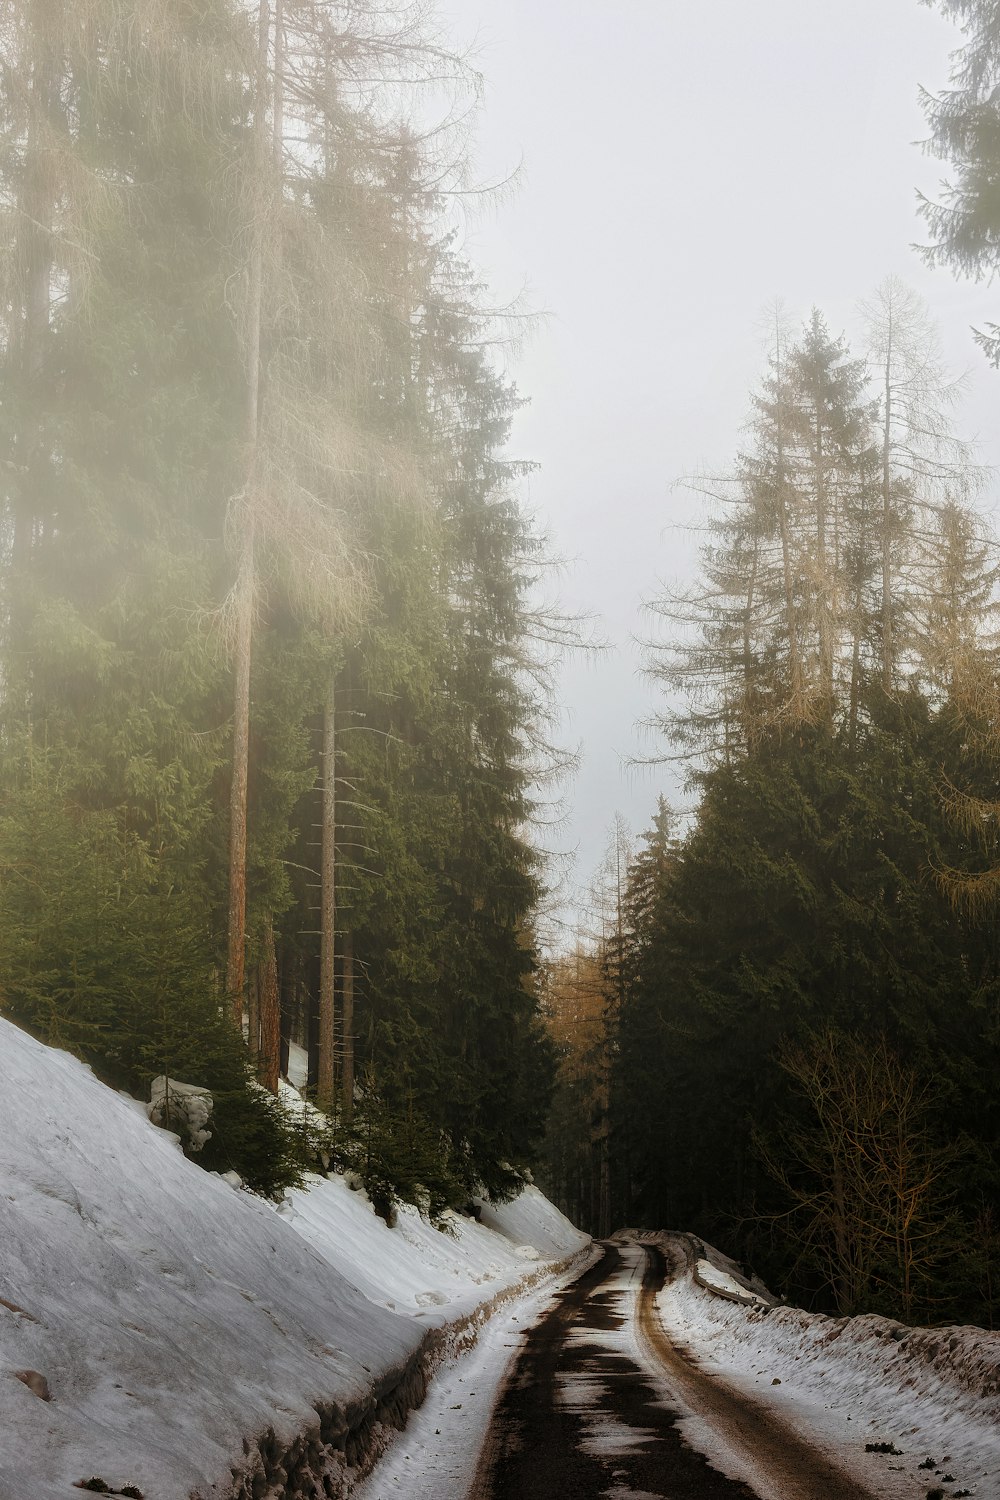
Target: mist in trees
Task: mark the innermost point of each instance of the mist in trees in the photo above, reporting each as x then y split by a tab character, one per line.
269	715
274	692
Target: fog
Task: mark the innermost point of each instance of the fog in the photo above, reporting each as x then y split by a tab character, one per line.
679	168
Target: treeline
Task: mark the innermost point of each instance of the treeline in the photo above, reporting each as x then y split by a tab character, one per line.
269	713
785	1029
799	993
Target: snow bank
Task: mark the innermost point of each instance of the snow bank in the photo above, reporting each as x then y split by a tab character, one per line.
193	1340
433	1276
724	1284
929	1393
533	1223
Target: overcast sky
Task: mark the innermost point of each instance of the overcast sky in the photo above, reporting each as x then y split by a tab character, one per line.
684	163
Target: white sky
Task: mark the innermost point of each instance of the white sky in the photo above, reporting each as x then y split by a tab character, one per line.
685	162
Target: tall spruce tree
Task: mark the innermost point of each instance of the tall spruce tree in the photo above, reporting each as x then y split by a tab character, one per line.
964	222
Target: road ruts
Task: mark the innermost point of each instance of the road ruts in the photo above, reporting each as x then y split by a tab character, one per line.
578	1418
792	1469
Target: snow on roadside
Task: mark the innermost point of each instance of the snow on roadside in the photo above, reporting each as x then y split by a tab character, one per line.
713	1279
929	1393
176	1321
437	1455
431	1275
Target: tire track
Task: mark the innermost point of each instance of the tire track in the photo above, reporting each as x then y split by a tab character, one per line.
789	1467
579	1419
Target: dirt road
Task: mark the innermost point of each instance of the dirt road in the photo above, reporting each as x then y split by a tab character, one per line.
592	1404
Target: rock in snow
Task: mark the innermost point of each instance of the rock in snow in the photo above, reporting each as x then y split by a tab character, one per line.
184	1107
191	1337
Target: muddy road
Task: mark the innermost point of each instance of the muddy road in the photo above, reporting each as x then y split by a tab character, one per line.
592	1407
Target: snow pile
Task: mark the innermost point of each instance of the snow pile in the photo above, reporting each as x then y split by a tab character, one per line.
534	1224
724	1284
194	1341
927	1394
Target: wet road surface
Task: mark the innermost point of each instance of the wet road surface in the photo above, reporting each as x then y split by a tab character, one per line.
579	1418
582	1416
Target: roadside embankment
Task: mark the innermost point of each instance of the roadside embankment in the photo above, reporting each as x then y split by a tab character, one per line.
922	1405
167	1335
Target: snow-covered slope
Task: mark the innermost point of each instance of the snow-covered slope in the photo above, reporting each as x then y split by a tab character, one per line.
416	1268
190	1336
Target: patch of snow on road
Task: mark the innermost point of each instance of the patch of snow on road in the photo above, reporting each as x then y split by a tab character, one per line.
606	1437
578	1391
622	1492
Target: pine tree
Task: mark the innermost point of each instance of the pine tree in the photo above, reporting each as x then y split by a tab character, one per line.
772	623
965	132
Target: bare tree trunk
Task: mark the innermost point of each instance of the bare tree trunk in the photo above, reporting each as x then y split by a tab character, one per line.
246	585
886	526
328	903
270	1013
253	1018
244	605
347	1021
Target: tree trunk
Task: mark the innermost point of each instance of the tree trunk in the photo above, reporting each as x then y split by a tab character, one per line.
246	585
253	1018
824	582
852	720
328	903
244	606
347	1021
887	646
750	726
270	1013
34	252
278	132
795	682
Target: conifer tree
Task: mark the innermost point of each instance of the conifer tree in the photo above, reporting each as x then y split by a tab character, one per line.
965	221
924	465
825	541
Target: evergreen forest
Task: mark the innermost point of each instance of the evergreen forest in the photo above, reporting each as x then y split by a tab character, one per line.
270	717
781	1029
276	694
